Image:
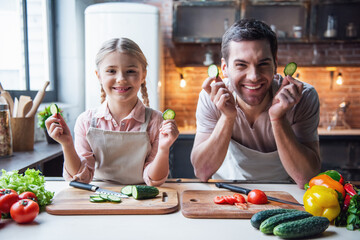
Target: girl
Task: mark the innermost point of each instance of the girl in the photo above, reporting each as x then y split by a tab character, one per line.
122	140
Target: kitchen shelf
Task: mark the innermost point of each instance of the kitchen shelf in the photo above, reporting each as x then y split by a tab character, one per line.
203	21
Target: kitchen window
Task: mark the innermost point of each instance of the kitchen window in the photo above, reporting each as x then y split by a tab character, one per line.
26	49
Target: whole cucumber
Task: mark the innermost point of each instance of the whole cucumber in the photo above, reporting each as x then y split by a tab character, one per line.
261	216
269	224
302	228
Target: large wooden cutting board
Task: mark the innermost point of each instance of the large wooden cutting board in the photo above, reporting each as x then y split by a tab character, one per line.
74	201
200	204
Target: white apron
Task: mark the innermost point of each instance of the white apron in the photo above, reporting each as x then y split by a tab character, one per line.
242	163
120	156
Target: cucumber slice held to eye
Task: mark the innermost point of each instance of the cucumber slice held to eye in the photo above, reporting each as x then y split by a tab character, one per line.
213	71
168	114
54	109
290	69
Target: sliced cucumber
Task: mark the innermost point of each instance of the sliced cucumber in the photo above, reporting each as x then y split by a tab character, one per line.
54	109
113	198
213	71
168	114
290	69
96	199
127	190
103	196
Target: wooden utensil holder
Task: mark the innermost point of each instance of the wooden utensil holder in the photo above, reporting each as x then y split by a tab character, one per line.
23	133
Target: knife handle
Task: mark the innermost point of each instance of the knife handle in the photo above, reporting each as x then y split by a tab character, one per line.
83	186
233	188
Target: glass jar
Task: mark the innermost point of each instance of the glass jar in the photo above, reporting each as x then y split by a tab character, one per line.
6	149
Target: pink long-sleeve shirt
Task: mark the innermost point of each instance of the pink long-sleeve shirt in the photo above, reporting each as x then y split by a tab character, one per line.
105	121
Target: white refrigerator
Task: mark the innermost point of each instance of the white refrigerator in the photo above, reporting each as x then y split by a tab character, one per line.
140	23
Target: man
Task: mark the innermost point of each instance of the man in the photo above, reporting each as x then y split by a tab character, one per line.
255	124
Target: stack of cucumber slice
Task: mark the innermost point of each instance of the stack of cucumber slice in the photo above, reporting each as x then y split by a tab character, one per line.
105	198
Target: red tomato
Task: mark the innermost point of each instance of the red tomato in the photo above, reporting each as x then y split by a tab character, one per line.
219	200
24	211
257	196
28	195
7	198
230	200
239	198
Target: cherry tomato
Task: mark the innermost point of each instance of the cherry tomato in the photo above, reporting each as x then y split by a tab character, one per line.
28	195
257	196
7	198
239	198
24	211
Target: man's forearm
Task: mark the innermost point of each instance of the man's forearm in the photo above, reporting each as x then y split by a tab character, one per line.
300	161
208	155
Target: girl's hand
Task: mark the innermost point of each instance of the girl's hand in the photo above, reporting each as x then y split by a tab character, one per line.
289	94
168	134
58	129
220	95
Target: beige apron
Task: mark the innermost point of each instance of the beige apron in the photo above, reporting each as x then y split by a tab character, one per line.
242	163
120	156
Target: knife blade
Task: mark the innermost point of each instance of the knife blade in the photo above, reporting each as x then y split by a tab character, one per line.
96	189
246	191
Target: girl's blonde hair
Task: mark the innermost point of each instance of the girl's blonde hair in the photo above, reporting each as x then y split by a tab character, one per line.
123	45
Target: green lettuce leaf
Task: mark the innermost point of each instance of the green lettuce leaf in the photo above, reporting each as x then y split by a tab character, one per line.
32	180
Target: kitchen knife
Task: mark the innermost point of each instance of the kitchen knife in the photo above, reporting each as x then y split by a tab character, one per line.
96	189
246	191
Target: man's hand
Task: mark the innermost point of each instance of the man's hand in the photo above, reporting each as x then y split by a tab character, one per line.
289	94
220	96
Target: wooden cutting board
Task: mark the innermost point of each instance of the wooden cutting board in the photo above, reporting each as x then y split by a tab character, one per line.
200	204
74	201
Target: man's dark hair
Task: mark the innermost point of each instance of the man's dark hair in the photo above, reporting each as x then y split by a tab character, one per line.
245	30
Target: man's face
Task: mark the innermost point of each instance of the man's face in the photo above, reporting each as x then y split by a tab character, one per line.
250	69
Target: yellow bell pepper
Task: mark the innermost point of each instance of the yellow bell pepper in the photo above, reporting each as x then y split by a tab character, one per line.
322	201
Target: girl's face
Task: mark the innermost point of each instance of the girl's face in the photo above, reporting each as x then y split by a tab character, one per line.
121	76
250	69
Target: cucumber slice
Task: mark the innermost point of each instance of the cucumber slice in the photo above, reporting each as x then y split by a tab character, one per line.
213	71
96	199
104	196
168	114
54	109
290	69
127	190
113	198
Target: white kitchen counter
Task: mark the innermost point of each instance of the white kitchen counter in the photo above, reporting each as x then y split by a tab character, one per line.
170	226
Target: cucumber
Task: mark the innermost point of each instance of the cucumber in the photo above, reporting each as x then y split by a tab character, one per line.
113	198
104	198
290	69
213	71
96	199
269	224
54	109
144	192
127	190
302	228
261	216
168	114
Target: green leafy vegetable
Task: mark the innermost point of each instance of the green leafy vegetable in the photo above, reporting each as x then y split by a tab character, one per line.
351	216
31	181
